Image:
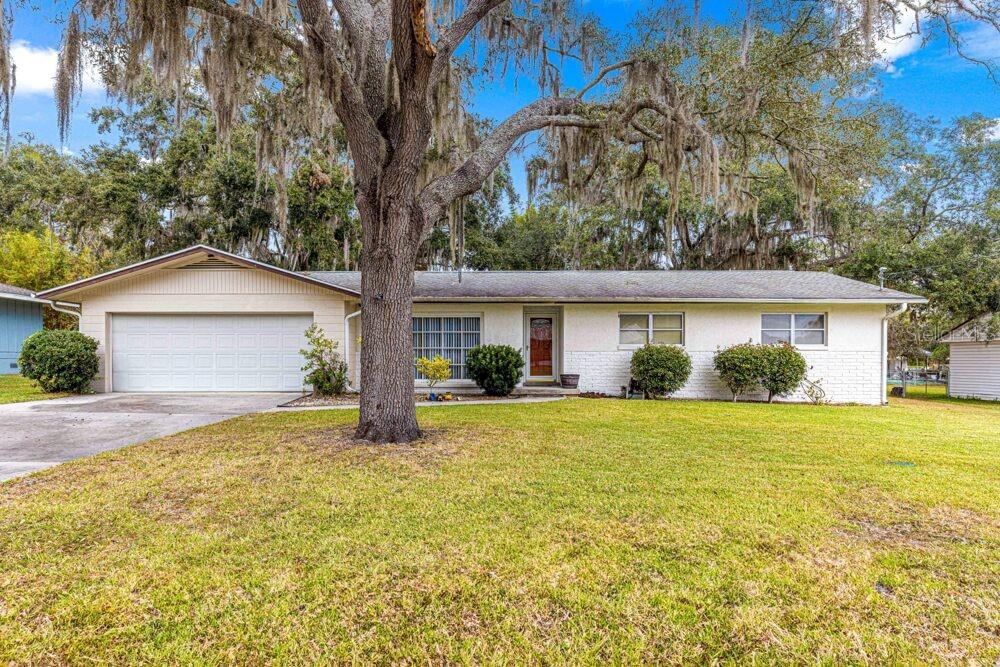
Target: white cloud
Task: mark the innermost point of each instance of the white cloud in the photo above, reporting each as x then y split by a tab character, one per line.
899	40
982	42
36	70
993	134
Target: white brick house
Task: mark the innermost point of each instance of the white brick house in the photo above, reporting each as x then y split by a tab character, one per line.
204	320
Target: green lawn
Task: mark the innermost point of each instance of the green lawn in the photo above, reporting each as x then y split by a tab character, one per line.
939	392
16	389
576	531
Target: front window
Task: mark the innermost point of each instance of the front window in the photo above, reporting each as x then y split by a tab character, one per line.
793	328
659	328
448	337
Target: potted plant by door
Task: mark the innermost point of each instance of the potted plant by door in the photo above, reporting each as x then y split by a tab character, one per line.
569	380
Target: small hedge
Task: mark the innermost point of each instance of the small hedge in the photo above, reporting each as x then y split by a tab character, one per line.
59	360
745	368
660	370
739	368
784	369
495	368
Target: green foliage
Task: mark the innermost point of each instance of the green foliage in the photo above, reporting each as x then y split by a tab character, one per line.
38	261
325	370
59	360
747	367
739	368
495	368
435	370
660	370
784	368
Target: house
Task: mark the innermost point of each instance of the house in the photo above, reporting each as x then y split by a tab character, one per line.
202	319
974	360
20	316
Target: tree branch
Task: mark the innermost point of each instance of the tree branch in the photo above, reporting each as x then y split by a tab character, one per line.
471	175
223	9
600	75
349	101
452	36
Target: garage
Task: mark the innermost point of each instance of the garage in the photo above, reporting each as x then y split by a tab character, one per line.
236	353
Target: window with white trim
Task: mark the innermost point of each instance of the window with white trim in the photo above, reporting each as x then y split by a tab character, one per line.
794	328
448	337
641	328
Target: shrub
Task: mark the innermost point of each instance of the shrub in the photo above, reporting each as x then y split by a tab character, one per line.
783	369
739	368
495	368
660	370
435	370
59	360
325	370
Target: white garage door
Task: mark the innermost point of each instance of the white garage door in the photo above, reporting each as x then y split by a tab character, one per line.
207	352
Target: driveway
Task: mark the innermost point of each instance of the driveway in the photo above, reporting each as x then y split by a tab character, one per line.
40	434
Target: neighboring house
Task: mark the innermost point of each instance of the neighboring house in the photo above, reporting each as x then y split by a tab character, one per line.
974	360
20	316
204	320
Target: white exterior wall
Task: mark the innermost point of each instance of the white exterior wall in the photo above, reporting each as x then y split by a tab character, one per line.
204	291
849	367
974	370
501	324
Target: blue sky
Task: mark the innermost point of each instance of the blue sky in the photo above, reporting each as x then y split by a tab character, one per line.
927	80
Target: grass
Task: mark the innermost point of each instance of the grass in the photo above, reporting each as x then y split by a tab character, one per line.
578	531
16	389
939	392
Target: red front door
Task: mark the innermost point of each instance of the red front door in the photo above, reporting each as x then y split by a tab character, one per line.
540	349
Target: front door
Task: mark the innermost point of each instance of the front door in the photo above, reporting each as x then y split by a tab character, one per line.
541	330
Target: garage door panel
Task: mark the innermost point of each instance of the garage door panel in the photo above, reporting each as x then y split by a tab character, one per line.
181	362
208	352
181	340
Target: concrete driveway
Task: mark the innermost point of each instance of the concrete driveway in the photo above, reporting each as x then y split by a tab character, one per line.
40	434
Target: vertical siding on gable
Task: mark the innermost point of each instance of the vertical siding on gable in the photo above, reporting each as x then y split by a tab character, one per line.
18	320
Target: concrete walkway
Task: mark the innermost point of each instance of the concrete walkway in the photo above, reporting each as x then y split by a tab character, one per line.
428	404
41	434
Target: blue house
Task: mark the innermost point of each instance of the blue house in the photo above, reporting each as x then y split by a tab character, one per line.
20	316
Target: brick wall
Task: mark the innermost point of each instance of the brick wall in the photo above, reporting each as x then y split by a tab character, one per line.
846	376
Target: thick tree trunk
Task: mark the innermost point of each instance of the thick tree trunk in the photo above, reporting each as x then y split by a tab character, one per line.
387	262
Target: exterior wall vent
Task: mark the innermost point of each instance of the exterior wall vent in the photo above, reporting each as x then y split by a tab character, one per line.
212	263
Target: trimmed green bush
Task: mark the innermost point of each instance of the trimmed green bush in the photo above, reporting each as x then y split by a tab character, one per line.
660	370
495	368
784	368
745	368
739	367
325	370
59	360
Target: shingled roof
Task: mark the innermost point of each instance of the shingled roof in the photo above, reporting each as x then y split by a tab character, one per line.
19	293
598	286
